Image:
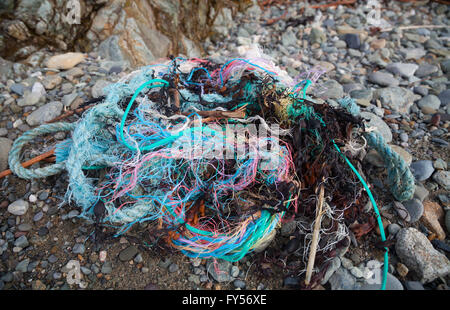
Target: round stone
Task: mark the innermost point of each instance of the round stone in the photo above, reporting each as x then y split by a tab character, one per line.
128	254
18	207
78	248
422	169
32	198
415	209
173	268
393	229
239	284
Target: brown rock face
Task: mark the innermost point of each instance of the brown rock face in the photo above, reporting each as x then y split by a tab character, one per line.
136	31
141	31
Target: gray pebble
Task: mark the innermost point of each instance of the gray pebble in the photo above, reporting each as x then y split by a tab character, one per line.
73	213
382	79
429	103
17	88
138	259
393	229
78	248
239	284
128	254
43	195
24	227
443	179
38	216
8	277
42	231
404	137
23	265
18	207
423	91
219	269
425	69
45	113
57	275
234	271
392	284
422	169
95	268
421	192
165	263
291	281
85	270
173	268
194	278
21	242
106	268
404	69
414	286
415	209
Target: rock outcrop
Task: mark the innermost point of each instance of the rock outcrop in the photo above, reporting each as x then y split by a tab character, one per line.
132	32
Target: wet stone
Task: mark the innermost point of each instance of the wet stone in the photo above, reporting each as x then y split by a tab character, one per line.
52	259
106	268
291	282
422	169
128	254
43	195
25	227
38	216
173	268
239	284
415	209
42	231
78	248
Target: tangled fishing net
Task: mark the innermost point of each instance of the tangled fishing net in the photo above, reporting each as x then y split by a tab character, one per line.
157	149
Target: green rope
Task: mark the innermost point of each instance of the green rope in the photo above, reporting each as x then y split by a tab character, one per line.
380	223
130	104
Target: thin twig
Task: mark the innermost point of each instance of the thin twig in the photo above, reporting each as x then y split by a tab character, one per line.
329	5
220	114
315	239
69	113
414	27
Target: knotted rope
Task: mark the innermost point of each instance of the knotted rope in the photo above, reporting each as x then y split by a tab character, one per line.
400	178
19	143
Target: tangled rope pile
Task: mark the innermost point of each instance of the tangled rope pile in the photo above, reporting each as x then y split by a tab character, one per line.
149	152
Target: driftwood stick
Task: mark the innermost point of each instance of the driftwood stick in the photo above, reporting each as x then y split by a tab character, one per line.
220	114
315	236
69	113
414	27
329	5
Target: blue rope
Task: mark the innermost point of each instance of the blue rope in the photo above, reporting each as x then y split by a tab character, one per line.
400	178
19	143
